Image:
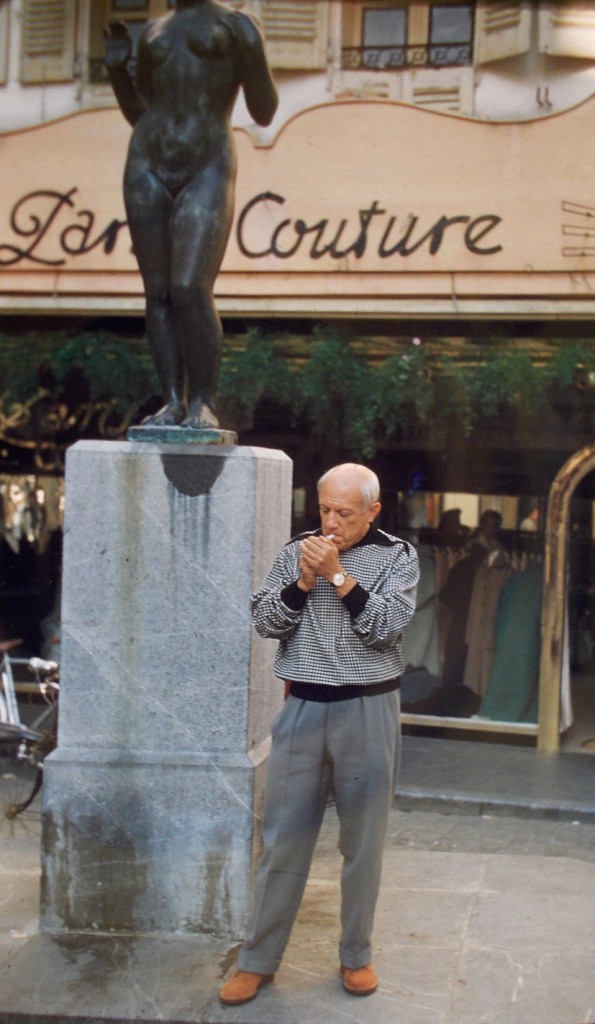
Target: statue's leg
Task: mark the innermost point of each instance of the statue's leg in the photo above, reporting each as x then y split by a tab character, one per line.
149	205
200	225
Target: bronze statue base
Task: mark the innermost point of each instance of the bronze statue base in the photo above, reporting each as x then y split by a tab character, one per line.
182	435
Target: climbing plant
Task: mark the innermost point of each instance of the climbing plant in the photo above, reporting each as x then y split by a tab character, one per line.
325	387
403	390
335	395
108	369
251	374
503	383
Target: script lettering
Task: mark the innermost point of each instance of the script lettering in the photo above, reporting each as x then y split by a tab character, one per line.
36	218
322	238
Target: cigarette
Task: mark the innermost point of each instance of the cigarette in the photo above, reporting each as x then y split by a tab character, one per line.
330	536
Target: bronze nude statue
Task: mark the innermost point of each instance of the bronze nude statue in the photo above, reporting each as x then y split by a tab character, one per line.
179	182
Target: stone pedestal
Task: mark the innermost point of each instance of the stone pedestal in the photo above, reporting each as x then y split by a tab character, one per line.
152	797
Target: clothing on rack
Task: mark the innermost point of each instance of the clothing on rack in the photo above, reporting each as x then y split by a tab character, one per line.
455	597
420	642
480	634
512	690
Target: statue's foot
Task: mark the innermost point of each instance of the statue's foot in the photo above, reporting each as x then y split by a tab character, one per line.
200	417
171	415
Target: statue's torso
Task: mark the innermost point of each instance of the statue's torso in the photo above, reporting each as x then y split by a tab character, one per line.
190	66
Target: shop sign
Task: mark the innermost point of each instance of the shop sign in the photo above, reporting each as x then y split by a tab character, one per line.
349	187
49	229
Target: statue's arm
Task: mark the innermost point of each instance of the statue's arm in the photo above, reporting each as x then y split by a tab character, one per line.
118	47
256	78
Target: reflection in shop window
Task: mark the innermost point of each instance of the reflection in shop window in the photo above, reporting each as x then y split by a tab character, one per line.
31	516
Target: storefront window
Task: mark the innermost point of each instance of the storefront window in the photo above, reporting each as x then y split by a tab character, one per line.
473	650
31	513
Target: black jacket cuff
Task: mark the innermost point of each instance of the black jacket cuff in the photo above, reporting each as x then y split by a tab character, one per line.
356	600
294	597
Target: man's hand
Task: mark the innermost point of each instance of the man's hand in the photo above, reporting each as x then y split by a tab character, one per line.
319	557
307	580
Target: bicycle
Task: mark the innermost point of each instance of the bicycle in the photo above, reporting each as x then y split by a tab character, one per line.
24	747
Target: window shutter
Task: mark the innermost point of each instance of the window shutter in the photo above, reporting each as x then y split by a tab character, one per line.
501	30
567	30
436	97
296	32
47	52
447	89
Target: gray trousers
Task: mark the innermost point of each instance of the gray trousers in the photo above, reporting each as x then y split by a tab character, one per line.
349	748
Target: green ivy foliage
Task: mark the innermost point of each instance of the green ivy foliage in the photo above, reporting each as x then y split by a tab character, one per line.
562	367
505	383
327	391
19	369
112	370
335	395
87	366
250	375
403	390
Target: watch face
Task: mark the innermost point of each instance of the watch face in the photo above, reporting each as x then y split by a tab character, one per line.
339	579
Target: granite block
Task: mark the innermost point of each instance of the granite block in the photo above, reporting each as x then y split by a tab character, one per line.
163	548
145	848
151	800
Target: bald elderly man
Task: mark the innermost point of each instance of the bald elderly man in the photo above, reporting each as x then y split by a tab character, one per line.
337	599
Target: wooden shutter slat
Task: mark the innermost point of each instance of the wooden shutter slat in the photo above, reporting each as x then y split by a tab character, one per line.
501	30
567	30
295	32
47	50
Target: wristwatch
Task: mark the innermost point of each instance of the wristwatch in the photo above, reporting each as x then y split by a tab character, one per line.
339	578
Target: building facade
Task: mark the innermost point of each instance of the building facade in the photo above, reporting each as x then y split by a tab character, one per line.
422	200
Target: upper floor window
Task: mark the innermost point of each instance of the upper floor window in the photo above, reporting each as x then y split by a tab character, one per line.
451	34
399	35
382	26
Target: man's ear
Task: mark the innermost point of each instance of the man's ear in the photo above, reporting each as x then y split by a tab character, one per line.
373	510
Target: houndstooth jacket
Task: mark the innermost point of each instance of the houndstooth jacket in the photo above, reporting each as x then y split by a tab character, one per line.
337	641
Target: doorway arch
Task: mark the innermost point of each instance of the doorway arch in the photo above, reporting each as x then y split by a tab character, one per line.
555	574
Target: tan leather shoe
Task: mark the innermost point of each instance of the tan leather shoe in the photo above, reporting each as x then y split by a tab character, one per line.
360	982
242	987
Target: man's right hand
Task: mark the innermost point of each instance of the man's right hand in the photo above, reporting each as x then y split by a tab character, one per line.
308	577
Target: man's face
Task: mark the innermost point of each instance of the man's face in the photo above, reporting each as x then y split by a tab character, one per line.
342	512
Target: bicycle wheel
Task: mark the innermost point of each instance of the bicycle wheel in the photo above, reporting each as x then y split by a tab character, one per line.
20	778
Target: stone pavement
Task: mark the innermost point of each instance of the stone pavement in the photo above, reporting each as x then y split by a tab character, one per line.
486	916
471	777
